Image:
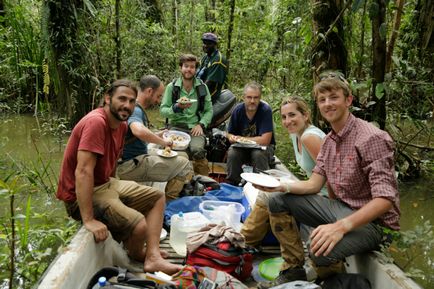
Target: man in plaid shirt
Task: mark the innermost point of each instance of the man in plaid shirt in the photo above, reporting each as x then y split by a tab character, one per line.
356	160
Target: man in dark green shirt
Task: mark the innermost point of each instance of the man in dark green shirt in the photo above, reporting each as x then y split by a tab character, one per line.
213	66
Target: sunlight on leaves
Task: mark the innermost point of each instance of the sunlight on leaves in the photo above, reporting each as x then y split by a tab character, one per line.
379	90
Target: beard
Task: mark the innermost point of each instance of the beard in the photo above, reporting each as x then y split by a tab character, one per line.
187	76
116	113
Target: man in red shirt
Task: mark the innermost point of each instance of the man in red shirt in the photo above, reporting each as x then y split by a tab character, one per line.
133	213
357	161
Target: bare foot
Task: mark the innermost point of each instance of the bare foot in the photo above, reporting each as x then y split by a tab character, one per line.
164	254
157	263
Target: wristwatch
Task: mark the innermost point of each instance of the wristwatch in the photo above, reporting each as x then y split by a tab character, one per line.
202	125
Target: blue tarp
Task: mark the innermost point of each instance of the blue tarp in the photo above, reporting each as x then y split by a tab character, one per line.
227	193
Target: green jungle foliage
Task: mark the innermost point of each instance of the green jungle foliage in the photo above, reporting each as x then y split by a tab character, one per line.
58	56
29	236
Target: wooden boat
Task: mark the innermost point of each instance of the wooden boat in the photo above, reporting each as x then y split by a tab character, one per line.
76	263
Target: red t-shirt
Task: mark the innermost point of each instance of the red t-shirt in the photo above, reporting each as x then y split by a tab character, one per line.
92	133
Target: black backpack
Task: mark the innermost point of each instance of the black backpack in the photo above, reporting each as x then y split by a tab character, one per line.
200	92
346	281
124	279
217	147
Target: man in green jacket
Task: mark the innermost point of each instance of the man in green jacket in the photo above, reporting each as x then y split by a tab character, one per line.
213	66
187	105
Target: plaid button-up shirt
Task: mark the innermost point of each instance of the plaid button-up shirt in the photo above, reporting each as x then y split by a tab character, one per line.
358	164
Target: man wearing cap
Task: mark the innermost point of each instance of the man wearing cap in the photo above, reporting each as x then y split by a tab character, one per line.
213	66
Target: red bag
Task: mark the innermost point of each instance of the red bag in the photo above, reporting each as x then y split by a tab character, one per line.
224	257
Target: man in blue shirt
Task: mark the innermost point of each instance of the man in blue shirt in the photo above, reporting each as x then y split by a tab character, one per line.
137	164
251	133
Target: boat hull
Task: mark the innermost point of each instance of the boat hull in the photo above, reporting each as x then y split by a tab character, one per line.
76	264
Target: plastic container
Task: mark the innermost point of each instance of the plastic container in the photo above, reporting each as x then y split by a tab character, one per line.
102	282
219	212
270	268
182	224
180	139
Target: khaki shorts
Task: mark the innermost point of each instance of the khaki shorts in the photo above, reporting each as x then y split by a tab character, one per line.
153	168
120	205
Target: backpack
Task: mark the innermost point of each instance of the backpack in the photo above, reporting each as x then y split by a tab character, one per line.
202	183
189	277
222	279
346	281
299	284
200	92
223	257
124	279
217	146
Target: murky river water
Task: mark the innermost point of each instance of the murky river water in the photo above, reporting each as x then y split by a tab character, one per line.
22	140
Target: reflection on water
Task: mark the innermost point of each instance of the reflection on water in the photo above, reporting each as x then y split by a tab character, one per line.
417	207
22	139
32	152
24	143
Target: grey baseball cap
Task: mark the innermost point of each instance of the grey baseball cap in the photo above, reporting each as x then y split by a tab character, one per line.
210	37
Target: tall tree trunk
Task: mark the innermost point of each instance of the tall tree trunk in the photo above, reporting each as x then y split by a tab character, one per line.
154	12
378	94
328	52
265	64
394	36
190	36
12	240
359	70
175	21
210	16
230	29
118	39
2	11
68	59
62	31
425	28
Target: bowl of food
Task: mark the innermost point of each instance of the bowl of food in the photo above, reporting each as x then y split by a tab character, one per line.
180	139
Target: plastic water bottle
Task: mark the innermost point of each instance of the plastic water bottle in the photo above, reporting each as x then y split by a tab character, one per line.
102	282
177	237
247	168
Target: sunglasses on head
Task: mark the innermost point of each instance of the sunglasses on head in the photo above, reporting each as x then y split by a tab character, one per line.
331	75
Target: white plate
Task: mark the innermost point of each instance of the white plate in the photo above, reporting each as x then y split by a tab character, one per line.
163	234
261	180
172	154
186	102
246	141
